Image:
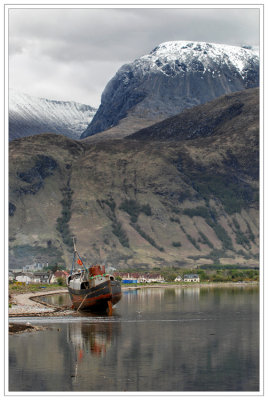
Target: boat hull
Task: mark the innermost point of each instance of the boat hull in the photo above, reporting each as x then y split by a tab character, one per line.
96	298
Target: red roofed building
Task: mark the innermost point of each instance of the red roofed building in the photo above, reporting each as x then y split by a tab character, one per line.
58	274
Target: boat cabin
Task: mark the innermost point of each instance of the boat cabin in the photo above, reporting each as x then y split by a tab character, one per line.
79	280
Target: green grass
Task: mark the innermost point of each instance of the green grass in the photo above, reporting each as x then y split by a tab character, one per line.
17	287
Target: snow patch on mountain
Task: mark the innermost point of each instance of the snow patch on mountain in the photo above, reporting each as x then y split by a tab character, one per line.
29	115
172	77
175	57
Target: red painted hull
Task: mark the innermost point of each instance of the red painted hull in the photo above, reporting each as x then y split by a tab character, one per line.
96	298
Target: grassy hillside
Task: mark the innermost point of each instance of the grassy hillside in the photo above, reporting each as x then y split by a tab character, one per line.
143	201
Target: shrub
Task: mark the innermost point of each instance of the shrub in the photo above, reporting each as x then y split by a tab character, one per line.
146	209
193	241
250	233
63	221
175	220
60	281
110	203
240	236
233	193
133	208
147	237
223	236
197	212
205	240
120	233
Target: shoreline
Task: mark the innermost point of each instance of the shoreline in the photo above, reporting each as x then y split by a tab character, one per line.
29	304
195	284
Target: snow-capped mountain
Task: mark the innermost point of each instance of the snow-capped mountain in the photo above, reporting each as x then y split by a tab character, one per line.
174	76
29	115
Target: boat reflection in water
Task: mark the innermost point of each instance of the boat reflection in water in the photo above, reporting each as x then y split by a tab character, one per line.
91	338
170	339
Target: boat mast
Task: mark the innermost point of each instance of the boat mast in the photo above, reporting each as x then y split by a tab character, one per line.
76	255
75	251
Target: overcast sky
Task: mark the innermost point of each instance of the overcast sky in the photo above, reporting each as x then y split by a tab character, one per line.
71	54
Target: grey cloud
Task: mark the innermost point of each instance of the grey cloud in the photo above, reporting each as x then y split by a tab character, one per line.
96	42
126	33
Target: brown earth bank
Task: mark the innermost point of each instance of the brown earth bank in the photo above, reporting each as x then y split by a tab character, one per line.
19	328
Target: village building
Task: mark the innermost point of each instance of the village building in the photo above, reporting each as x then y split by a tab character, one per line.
130	278
58	274
25	277
137	277
34	267
42	277
191	278
11	276
154	278
178	279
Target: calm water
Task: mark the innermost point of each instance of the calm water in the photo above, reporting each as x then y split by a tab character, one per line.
175	339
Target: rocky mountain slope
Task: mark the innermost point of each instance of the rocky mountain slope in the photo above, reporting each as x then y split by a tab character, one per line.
29	115
180	195
173	77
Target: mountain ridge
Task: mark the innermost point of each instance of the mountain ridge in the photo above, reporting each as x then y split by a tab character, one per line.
139	202
173	77
206	120
30	115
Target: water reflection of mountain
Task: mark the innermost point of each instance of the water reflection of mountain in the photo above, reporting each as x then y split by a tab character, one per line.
206	340
183	340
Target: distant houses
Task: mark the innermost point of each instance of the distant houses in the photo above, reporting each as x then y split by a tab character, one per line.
129	277
140	278
11	276
42	277
24	277
187	278
154	278
58	275
191	278
37	267
45	277
32	277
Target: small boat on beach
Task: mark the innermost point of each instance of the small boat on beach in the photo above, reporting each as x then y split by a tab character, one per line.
92	288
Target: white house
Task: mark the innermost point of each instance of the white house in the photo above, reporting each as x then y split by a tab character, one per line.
178	279
191	278
26	277
11	276
42	277
154	278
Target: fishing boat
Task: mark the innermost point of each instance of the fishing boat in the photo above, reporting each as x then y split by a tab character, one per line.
92	288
